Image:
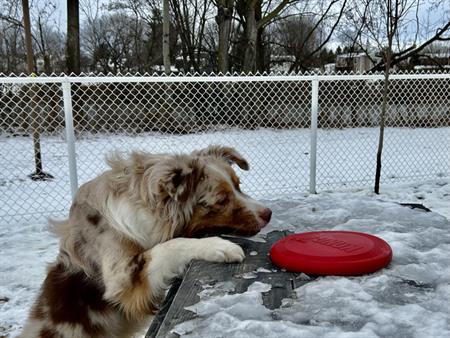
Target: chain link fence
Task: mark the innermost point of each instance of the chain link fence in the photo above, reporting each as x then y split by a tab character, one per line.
69	124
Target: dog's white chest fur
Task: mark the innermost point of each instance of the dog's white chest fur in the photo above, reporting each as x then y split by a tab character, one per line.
137	223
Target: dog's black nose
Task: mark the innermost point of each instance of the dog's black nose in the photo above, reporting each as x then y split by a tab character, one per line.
266	214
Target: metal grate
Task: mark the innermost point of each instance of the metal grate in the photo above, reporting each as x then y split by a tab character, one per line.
267	118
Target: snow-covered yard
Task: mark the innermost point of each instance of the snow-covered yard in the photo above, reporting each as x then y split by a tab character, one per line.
279	161
408	299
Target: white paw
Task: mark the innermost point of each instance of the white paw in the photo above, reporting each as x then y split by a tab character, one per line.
215	249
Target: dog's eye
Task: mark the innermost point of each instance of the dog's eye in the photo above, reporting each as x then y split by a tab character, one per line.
223	201
205	205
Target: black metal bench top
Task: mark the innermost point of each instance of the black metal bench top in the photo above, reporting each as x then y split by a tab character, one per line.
184	292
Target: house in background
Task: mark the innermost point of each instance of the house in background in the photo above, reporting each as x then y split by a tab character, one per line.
281	63
432	61
329	68
356	62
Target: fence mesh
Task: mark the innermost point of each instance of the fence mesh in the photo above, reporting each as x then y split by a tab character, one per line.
266	118
31	115
417	137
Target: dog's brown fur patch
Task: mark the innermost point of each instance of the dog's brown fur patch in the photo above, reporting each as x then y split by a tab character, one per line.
69	296
48	333
228	215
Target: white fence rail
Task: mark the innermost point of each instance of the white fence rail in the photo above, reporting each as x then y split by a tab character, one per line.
299	132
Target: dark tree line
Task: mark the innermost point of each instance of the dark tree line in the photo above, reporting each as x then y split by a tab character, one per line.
205	36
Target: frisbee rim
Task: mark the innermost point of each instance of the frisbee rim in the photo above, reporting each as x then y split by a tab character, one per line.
368	260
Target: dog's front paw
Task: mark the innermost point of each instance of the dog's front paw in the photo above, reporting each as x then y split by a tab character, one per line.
215	249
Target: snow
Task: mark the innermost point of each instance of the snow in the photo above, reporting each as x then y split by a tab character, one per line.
279	161
408	299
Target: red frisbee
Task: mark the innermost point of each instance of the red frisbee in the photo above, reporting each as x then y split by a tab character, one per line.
339	253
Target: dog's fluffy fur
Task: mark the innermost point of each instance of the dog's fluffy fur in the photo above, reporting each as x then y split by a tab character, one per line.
134	228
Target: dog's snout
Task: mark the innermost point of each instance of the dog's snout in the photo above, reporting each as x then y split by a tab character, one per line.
266	214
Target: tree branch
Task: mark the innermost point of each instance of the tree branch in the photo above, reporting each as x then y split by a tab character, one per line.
265	20
297	62
11	20
331	32
401	56
319	22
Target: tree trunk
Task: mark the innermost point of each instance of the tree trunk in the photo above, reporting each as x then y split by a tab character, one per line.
46	57
224	18
251	35
73	61
73	57
260	48
166	37
28	43
382	120
166	108
39	174
73	37
260	61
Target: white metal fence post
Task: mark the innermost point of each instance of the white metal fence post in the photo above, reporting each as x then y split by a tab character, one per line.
70	137
313	150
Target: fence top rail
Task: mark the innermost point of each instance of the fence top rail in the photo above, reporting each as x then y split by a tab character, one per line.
215	78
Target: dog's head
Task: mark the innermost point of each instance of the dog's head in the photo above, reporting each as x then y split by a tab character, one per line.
206	189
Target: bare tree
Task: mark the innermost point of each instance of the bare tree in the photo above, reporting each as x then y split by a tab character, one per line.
442	34
166	37
44	35
73	61
381	23
12	52
256	16
224	20
39	174
295	38
326	22
256	19
112	43
73	37
141	28
414	33
393	12
190	17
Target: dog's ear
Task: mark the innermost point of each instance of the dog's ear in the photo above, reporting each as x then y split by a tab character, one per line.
229	154
177	177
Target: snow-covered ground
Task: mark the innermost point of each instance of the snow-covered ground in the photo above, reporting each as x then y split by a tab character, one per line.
279	161
408	299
